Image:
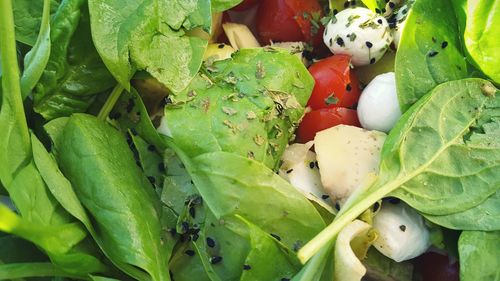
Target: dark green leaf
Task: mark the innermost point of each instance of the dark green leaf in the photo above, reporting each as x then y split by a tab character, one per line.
152	36
381	268
75	73
123	205
26	270
28	17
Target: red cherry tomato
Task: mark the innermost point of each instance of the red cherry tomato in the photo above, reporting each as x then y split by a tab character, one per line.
290	21
335	84
437	267
319	120
245	5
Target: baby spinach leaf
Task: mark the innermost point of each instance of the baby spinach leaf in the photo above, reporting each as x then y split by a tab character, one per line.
152	36
222	5
421	61
75	74
228	191
485	216
454	169
36	59
28	18
124	206
150	159
237	108
481	35
382	268
479	255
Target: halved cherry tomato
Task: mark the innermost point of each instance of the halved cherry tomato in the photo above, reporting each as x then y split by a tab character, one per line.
245	5
319	120
437	267
290	21
336	85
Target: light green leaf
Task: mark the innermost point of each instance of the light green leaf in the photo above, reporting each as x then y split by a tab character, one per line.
479	256
151	35
223	5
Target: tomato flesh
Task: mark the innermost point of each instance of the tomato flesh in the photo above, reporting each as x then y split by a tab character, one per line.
336	85
319	120
289	21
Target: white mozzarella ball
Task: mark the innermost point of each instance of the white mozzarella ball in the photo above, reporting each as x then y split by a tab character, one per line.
378	106
402	232
360	33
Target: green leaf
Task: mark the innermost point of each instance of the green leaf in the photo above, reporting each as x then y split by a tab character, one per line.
223	5
479	256
481	36
485	216
372	4
150	159
421	62
227	191
381	268
28	18
16	250
453	170
232	110
36	59
151	35
75	73
26	270
123	205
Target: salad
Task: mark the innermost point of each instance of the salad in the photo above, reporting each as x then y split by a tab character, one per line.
249	140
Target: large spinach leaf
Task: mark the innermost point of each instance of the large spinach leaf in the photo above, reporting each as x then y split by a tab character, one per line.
481	34
479	256
239	107
430	51
75	73
124	206
435	158
152	36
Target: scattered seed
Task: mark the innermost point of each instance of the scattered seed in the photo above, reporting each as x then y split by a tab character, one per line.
210	242
189	253
215	260
325	196
432	53
402	227
276	236
444	44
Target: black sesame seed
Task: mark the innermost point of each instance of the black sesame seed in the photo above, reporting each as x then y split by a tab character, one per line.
392	25
377	10
394	200
215	260
383	10
192	212
392	5
434	40
331	42
346	4
337	206
185	226
402	227
348	87
376	206
432	53
372	61
311	165
221	46
404	11
289	171
340	42
353	3
276	236
379	21
195	237
161	167
335	11
151	147
246	267
316	164
210	242
189	253
325	196
133	131
151	179
444	44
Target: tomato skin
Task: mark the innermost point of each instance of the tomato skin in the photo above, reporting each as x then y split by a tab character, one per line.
283	21
319	120
334	78
245	5
437	267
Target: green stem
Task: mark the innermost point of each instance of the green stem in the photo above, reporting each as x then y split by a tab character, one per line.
347	214
110	102
11	98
